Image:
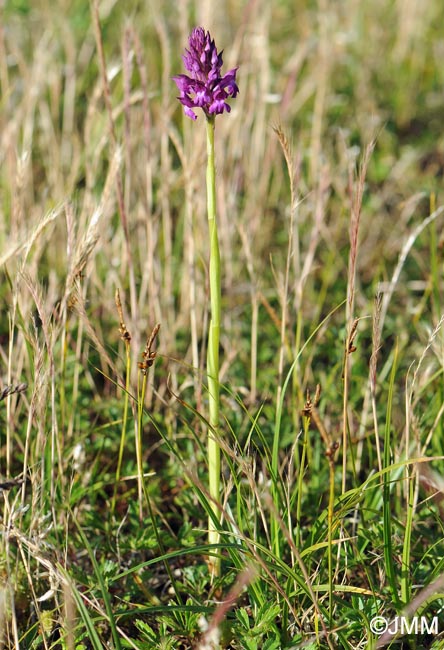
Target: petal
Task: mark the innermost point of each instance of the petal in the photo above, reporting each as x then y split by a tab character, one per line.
186	100
202	97
218	106
190	113
183	82
229	82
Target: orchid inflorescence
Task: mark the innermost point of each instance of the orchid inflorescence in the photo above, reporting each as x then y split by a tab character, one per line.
206	88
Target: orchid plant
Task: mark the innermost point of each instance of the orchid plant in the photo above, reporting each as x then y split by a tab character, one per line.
205	87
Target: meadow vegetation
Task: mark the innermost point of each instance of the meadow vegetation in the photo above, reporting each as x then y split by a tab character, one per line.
330	214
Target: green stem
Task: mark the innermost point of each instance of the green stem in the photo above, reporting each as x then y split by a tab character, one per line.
387	501
213	349
141	391
302	461
124	425
331	505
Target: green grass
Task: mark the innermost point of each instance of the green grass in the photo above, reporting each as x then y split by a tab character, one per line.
329	191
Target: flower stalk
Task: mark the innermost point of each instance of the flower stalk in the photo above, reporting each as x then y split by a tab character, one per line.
213	347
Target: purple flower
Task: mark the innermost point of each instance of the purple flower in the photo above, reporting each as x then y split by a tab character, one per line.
205	87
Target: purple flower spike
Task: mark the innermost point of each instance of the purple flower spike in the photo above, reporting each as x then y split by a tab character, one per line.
205	88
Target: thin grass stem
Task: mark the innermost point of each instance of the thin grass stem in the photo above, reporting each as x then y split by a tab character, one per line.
141	391
124	423
386	501
331	503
